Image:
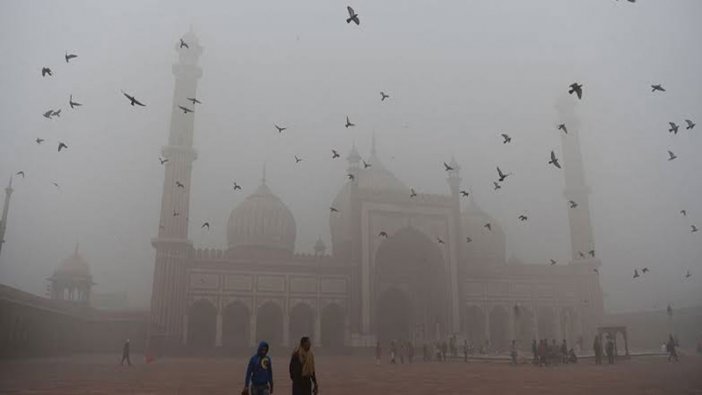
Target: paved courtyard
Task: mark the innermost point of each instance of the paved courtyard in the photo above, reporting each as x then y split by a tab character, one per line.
350	375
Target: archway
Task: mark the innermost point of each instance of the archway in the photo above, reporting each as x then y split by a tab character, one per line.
333	327
235	326
202	324
474	324
411	289
301	323
499	326
546	323
269	324
526	328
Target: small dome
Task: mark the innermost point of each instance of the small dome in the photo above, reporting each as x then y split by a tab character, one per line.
74	266
262	220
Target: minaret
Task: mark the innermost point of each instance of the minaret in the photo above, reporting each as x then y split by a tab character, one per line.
5	210
173	248
576	189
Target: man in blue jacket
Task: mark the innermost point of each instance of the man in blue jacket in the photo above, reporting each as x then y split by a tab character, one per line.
259	373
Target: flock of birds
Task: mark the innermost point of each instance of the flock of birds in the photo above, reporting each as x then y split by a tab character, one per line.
575	88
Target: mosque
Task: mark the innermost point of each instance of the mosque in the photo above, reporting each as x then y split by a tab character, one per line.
422	280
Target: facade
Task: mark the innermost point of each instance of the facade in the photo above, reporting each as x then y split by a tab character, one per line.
400	266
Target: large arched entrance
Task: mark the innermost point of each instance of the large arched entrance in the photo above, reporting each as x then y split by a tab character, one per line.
499	326
202	324
235	326
269	324
301	323
333	327
411	290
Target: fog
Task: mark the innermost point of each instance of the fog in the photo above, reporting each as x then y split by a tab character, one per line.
459	73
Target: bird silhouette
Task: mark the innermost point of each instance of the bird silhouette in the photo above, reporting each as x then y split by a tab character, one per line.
351	176
193	100
279	128
297	159
39	140
690	124
506	138
412	193
447	167
553	262
693	228
180	185
383	96
487	226
572	204
644	270
595	270
56	185
206	225
673	128
496	185
688	274
366	164
464	193
132	100
72	103
61	146
349	123
580	254
353	16
657	87
162	160
554	160
468	239
592	253
185	109
383	234
175	214
502	175
636	273
236	186
70	56
48	114
563	128
45	71
671	155
20	173
523	218
56	113
577	89
684	213
438	240
333	210
183	44
335	154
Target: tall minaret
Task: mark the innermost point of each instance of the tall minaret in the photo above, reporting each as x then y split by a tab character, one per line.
5	210
173	248
576	189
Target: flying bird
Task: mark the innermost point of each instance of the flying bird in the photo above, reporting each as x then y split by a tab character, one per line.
72	103
132	100
70	56
366	164
20	173
383	234
56	185
554	160
39	140
592	253
179	184
563	128
671	155
351	176
236	186
412	193
688	275
206	225
185	109
553	262
496	185
572	204
61	146
56	113
636	273
657	87
194	100
506	138
577	89
464	193
595	270
523	217
693	228
45	71
673	128
684	213
333	210
644	270
183	44
383	96
335	154
690	124
438	240
48	114
297	159
468	239
447	167
349	123
175	214
353	16
280	129
488	226
162	160
580	254
502	175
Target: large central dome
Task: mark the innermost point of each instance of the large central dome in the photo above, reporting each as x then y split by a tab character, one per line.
262	221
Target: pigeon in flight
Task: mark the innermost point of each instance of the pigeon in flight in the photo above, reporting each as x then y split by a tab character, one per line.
162	160
657	87
572	203
48	114
636	273
297	159
438	240
69	56
580	254
333	210
353	16
349	123
383	234
506	138
56	185
523	217
335	154
671	155
185	109
279	129
20	173
554	160
673	128
56	113
72	103
45	71
61	146
488	226
366	164
39	140
351	176
688	274
464	193
592	253
180	185
384	96
563	128
502	175
468	239
194	100
236	186
553	262
595	270
496	185
577	89
447	167
412	193
175	214
690	124
183	44
644	270
205	225
693	228
132	100
684	213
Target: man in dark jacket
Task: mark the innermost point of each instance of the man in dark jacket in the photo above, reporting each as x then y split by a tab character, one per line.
259	373
125	354
302	370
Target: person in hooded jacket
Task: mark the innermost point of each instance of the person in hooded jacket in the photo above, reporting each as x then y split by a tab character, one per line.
259	373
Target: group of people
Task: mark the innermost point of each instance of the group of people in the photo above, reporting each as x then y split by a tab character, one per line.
548	354
259	372
609	349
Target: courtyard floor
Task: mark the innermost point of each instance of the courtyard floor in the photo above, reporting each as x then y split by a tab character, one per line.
101	374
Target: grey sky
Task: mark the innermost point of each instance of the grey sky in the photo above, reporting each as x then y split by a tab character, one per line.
459	73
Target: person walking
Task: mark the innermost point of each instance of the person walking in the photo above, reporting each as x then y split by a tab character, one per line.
609	349
597	349
302	369
378	353
259	373
125	354
670	347
513	352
